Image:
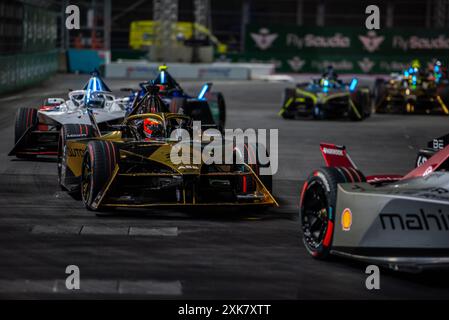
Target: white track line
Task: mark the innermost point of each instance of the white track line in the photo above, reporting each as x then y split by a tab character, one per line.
105	230
92	286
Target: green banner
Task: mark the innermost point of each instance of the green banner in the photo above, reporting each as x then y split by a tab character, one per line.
349	50
346	40
310	63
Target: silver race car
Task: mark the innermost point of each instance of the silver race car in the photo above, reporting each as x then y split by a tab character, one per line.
401	222
37	130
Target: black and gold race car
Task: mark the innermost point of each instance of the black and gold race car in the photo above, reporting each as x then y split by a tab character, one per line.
415	91
327	98
133	165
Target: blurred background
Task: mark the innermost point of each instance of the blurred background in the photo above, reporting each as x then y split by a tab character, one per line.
257	38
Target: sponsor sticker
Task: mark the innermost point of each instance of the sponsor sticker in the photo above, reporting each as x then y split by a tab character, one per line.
335	152
346	219
428	171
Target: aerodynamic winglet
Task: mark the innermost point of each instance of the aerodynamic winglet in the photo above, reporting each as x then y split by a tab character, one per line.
336	156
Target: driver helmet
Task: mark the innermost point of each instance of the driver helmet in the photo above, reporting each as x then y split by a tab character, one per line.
416	65
95	100
437	66
330	72
162	88
152	128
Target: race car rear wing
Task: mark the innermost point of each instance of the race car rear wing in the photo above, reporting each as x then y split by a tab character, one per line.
439	161
336	156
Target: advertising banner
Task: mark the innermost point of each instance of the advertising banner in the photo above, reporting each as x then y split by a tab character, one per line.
343	40
357	50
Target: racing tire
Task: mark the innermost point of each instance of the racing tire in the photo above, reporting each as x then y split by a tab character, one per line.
100	160
362	103
288	93
222	109
318	207
68	132
379	91
25	118
444	95
423	156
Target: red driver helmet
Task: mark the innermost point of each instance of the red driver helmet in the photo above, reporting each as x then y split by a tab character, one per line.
152	128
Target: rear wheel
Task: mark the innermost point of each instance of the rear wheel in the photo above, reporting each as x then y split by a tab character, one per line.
26	118
318	205
287	101
379	91
361	103
67	132
98	166
222	109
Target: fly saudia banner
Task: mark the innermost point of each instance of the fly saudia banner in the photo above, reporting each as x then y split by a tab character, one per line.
344	40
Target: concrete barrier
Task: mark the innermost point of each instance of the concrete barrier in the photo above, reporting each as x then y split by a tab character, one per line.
184	71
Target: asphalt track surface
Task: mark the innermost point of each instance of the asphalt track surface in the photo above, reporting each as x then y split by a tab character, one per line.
209	254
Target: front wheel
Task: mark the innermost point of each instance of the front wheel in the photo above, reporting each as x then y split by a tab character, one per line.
318	205
26	118
100	160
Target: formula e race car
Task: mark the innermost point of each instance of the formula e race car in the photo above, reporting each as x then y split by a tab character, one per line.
414	91
133	167
401	222
327	98
207	106
37	130
433	147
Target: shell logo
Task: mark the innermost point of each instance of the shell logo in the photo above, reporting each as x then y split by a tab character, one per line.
346	219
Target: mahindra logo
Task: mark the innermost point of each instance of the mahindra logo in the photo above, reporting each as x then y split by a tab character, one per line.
264	39
371	41
422	221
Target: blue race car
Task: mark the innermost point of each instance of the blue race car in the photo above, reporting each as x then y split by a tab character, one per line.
327	98
208	107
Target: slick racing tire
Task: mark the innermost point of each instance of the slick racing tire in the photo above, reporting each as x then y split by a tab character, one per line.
99	162
222	109
218	98
361	101
288	94
379	91
444	95
423	156
25	118
69	132
318	205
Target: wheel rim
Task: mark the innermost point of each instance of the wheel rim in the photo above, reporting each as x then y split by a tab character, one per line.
315	215
86	180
